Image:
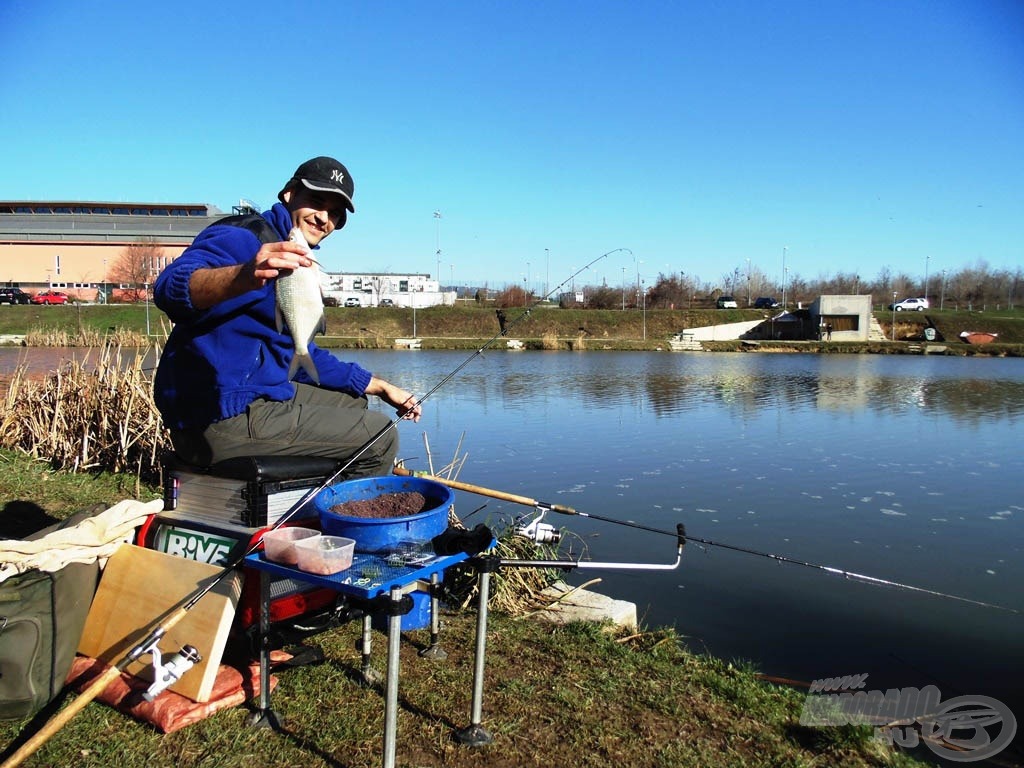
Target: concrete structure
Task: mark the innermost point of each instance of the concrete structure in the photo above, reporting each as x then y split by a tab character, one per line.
850	317
81	248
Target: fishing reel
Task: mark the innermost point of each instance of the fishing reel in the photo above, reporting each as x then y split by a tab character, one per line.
531	526
166	675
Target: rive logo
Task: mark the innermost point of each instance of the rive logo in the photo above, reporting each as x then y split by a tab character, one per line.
194	545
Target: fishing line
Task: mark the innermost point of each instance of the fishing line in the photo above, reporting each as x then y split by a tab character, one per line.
564	510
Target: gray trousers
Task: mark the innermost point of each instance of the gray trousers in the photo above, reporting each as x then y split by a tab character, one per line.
316	422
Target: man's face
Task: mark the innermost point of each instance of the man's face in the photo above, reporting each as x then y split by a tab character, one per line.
317	214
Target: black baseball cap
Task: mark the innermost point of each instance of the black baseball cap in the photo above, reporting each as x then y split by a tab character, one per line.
324	174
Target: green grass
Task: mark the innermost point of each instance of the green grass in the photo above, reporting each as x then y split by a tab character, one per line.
554	696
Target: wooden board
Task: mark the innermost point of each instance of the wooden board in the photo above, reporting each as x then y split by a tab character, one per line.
139	589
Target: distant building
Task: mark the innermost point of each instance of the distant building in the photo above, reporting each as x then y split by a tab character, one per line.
74	246
371	288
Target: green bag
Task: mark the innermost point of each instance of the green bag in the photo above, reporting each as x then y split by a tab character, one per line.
41	620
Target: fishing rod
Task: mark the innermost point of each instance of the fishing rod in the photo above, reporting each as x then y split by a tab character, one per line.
149	643
681	535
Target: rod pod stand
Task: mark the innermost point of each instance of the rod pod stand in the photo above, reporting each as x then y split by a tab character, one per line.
474	734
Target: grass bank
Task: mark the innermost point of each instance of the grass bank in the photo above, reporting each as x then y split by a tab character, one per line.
553	696
468	327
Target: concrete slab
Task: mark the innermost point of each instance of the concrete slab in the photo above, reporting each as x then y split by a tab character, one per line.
584	605
723	332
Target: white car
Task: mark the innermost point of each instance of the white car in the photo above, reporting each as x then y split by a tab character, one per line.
920	305
353	301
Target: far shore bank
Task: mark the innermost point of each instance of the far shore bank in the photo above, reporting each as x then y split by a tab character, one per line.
549	328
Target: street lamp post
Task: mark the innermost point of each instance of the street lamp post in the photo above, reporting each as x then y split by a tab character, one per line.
942	290
643	289
784	249
623	289
894	315
437	217
638	263
748	282
927	258
547	271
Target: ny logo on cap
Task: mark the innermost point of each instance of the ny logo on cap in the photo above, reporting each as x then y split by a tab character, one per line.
337	176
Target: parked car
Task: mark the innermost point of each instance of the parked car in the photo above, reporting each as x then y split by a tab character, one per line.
765	302
353	301
726	302
330	301
50	297
14	296
387	303
919	305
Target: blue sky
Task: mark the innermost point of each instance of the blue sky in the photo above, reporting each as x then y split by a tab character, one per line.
856	135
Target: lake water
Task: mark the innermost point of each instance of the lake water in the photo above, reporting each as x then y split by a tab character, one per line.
905	468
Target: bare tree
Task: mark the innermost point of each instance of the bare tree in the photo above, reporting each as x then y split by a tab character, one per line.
137	266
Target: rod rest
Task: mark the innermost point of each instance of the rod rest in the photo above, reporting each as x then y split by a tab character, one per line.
258	468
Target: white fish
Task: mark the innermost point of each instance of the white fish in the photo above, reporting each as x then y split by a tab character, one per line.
300	308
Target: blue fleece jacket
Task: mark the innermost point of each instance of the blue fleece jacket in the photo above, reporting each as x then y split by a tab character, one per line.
219	360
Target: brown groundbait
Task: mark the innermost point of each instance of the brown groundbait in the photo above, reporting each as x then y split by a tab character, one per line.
384	506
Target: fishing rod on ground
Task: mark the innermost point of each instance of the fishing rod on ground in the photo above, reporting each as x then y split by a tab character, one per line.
544	533
150	641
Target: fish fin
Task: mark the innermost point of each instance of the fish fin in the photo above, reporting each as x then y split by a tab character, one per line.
305	362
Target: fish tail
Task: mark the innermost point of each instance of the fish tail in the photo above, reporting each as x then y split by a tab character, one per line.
305	361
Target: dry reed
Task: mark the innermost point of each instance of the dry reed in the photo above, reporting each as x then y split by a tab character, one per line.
84	337
85	417
550	341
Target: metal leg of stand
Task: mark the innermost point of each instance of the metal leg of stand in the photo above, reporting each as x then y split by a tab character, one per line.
474	734
370	677
391	689
435	651
264	716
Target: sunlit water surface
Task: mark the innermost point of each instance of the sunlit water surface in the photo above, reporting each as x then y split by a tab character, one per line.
908	469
